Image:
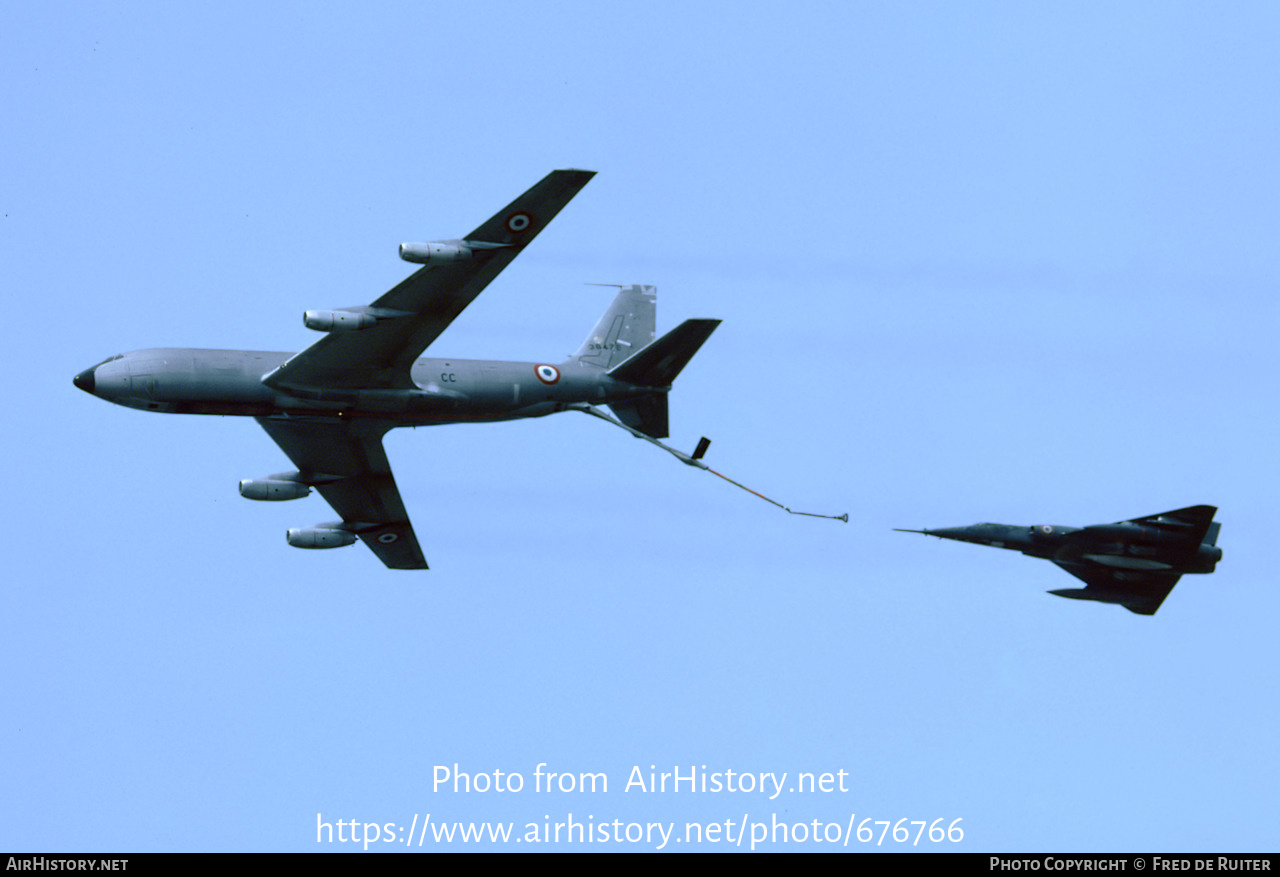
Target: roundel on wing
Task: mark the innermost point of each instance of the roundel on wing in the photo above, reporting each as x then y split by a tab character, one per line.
388	538
1046	529
518	222
548	374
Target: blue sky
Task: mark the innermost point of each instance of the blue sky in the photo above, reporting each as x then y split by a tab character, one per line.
975	262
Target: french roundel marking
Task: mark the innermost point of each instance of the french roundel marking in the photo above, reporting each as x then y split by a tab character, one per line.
388	538
548	374
518	222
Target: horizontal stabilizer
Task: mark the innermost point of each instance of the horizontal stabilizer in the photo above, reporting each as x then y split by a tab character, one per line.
658	364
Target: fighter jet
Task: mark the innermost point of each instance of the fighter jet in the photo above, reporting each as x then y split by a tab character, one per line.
329	406
1134	563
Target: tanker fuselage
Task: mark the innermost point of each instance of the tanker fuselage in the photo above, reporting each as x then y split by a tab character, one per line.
229	382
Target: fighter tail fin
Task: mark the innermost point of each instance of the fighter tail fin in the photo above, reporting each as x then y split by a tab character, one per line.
626	327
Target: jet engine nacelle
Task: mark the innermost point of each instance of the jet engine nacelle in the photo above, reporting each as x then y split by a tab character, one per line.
434	253
271	490
337	321
319	537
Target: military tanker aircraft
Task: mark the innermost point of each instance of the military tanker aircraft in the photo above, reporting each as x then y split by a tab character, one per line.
329	406
1134	563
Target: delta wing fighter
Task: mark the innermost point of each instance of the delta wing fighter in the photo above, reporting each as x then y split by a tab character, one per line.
1133	563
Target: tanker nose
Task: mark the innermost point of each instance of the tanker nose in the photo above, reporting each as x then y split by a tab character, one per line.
84	380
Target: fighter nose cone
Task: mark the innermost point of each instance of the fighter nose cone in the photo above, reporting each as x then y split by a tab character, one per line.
964	534
84	380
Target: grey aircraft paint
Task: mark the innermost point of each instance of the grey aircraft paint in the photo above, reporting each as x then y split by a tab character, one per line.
1133	563
329	406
